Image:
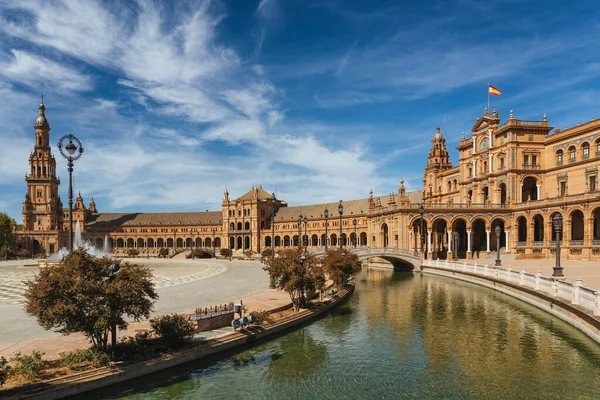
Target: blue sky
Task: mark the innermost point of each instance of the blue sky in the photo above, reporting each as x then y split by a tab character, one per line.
318	100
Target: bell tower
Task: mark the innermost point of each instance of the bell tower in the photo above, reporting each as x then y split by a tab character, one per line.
438	160
42	208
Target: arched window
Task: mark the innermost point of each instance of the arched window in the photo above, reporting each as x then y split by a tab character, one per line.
455	184
585	150
449	186
484	144
597	146
559	157
571	153
247	225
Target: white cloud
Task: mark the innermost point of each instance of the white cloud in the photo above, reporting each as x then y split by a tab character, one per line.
42	73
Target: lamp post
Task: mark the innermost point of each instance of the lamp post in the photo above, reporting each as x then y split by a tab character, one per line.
557	222
112	273
326	215
455	246
299	230
273	224
72	152
341	211
498	232
354	222
230	247
192	244
214	230
305	222
422	235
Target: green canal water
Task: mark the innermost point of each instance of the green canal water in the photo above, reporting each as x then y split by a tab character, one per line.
400	336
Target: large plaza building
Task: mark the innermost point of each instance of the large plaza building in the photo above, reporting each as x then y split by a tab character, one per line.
516	175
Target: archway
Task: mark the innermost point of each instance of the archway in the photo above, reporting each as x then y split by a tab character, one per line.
188	242
502	188
99	243
493	238
199	242
207	243
479	241
130	243
323	239
247	226
296	240
217	242
239	243
439	238
460	226
286	241
418	236
179	242
522	231
267	241
37	247
246	242
363	239
232	243
314	240
277	241
596	214
384	235
529	189
333	240
160	242
170	242
577	227
353	241
485	194
150	243
239	226
120	243
538	230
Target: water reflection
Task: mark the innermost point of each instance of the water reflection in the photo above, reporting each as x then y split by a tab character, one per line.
403	335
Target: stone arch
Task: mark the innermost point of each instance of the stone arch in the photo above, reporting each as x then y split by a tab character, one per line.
323	239
188	242
384	234
246	242
333	239
418	236
459	225
314	239
470	195
232	226
130	243
560	156
286	241
232	243
247	225
577	225
585	149
217	242
239	226
239	242
479	234
160	242
170	242
502	190
363	239
596	223
120	243
208	242
439	237
150	243
277	241
529	188
485	194
521	229
296	240
199	243
538	228
497	221
179	242
267	241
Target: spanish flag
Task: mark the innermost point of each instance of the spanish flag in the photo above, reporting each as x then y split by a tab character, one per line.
493	90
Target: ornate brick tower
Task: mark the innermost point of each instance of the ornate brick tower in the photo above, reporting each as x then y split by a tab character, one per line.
42	208
437	161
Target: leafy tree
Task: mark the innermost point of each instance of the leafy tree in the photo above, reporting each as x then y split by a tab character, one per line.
340	265
4	370
295	275
163	253
174	329
77	295
7	225
267	253
133	252
225	252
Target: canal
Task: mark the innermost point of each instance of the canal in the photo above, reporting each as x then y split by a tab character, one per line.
399	336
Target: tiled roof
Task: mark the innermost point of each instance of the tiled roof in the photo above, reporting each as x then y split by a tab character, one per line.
142	219
415	197
315	211
261	193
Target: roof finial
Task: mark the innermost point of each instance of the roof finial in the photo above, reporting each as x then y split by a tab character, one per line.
463	137
512	114
545	118
42	96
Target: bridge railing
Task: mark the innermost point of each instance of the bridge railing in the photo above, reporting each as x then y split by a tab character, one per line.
576	293
375	251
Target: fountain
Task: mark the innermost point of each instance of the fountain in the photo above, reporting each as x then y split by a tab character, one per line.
80	243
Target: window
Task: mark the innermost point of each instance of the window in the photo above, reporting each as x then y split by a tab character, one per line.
592	183
525	160
534	160
598	147
572	153
563	188
559	157
485	167
470	172
586	150
502	163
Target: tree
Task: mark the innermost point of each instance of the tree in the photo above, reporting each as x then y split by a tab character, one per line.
340	265
133	252
7	226
77	295
297	272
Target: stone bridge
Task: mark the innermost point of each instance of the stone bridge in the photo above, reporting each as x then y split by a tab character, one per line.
401	259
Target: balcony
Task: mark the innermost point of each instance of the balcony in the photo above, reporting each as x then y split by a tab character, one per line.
521	244
538	243
576	243
532	167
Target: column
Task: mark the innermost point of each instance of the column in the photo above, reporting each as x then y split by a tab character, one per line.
487	234
429	240
521	192
538	192
468	242
410	241
450	242
507	244
490	164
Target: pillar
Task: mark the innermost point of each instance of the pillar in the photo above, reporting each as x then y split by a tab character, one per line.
429	240
506	233
469	254
450	243
487	234
410	241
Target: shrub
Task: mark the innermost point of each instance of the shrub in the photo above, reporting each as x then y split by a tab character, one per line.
163	253
133	252
173	329
29	367
4	369
267	253
78	358
134	348
248	253
260	316
225	252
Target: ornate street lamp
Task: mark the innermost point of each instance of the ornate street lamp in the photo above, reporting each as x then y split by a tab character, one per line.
326	215
557	222
498	231
303	240
112	273
422	211
214	230
354	222
456	246
72	152
273	224
341	211
299	230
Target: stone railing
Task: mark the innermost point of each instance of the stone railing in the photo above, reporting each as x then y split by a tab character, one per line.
576	293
